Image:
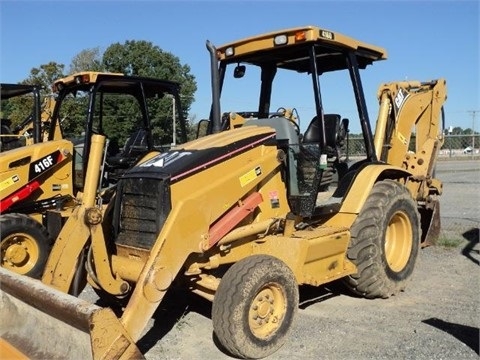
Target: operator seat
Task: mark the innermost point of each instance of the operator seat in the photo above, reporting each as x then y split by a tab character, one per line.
335	132
135	147
332	123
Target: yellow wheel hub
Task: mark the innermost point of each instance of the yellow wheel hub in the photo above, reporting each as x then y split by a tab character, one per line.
398	241
19	253
267	311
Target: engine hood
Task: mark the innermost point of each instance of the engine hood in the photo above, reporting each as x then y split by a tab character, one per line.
198	155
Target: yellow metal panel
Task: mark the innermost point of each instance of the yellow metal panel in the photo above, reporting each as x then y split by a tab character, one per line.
15	167
226	137
360	189
8	351
312	33
92	76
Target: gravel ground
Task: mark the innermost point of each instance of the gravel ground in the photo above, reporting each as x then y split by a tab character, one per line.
437	317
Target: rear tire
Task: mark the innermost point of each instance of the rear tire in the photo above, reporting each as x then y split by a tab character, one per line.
254	306
385	242
25	245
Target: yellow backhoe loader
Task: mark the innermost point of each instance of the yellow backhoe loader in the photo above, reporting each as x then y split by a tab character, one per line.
244	216
34	128
39	181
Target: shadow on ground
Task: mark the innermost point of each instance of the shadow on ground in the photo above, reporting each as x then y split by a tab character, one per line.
466	334
178	303
469	251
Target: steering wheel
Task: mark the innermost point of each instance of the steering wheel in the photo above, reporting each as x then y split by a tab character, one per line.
290	115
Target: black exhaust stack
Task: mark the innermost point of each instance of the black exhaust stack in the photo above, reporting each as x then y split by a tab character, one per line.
215	110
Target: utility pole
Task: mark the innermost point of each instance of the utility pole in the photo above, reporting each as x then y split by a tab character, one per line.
473	112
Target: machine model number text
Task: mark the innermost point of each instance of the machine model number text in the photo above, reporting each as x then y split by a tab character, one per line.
39	166
43	164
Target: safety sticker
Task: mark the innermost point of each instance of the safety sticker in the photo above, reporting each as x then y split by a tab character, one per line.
59	187
165	159
250	176
9	182
402	138
274	201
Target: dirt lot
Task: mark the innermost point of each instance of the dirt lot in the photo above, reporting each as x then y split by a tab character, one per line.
437	317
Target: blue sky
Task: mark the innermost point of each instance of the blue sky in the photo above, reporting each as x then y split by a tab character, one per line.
424	39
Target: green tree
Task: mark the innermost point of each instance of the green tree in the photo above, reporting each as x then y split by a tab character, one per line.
19	108
457	131
139	58
142	58
45	75
14	110
87	60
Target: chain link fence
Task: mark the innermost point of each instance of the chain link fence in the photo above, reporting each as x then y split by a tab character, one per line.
459	170
461	146
454	146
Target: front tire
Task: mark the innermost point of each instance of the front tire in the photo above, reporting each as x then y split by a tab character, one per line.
254	306
385	242
25	245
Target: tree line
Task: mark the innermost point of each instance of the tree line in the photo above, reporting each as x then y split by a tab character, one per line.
133	58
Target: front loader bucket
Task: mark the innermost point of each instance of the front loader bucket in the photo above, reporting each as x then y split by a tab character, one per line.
430	219
44	323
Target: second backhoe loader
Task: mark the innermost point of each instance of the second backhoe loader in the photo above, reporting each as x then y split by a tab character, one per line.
40	179
29	130
244	216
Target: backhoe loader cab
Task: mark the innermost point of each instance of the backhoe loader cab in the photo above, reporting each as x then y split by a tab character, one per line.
246	214
39	182
35	125
11	135
121	108
320	69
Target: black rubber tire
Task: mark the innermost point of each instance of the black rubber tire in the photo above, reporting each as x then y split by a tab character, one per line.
260	289
25	245
385	242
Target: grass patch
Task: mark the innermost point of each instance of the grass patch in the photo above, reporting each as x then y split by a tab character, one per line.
182	321
449	242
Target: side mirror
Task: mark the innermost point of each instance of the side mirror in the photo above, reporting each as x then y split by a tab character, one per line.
239	71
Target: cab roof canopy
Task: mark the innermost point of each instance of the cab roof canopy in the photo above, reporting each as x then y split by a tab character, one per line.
11	90
289	49
116	83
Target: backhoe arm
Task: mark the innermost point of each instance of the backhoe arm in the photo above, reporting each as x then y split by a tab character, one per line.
414	109
411	109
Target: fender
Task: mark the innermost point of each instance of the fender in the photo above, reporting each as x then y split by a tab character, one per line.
363	181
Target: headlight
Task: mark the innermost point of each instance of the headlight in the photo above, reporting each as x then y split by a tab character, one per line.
280	39
229	51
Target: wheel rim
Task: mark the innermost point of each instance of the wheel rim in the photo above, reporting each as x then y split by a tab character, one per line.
20	253
398	241
267	311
